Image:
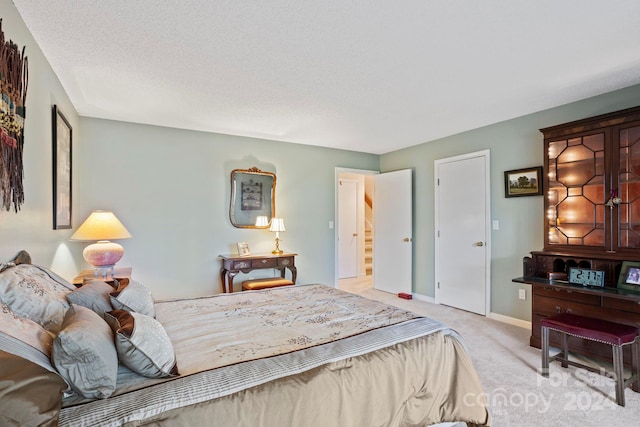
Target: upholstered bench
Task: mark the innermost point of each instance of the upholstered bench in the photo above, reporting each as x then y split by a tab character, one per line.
615	334
269	282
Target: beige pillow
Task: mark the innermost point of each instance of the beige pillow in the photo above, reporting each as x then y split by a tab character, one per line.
134	297
34	293
25	330
29	394
93	294
142	343
84	353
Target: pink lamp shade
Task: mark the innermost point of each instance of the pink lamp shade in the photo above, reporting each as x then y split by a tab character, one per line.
102	226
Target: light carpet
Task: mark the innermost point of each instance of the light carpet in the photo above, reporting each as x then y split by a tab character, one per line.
508	368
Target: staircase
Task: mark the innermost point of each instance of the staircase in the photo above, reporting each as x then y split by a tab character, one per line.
368	250
368	234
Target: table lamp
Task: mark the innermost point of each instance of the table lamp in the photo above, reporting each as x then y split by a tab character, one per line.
277	225
262	221
102	226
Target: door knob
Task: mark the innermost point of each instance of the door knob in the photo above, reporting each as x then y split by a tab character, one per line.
406	239
355	234
478	244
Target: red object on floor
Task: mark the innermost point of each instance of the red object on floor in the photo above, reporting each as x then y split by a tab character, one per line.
404	295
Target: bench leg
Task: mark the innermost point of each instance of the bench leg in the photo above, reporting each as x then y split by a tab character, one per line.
635	365
565	350
618	368
545	352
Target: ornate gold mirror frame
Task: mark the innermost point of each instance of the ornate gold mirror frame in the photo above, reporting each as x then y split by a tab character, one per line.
253	194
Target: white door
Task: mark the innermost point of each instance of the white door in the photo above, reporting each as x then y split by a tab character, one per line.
462	231
347	229
392	224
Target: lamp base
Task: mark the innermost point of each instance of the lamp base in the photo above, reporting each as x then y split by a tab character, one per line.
103	255
105	271
277	250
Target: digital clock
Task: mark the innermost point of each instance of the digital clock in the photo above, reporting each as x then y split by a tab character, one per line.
586	277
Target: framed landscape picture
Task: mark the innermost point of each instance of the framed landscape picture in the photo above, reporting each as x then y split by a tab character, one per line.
523	182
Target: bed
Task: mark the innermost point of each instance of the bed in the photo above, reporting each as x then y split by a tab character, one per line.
298	356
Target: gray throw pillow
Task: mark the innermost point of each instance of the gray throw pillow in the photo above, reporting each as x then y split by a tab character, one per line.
84	353
93	294
142	344
134	297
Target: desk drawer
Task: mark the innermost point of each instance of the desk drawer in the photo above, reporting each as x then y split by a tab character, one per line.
621	304
566	294
264	263
546	306
285	262
240	265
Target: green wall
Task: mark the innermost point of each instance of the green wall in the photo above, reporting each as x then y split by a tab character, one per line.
31	228
171	189
514	144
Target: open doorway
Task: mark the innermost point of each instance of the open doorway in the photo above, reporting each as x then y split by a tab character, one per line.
354	229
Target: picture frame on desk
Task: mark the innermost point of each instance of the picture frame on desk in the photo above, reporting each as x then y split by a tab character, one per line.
629	278
243	249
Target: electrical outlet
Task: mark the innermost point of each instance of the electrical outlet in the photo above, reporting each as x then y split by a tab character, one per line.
522	293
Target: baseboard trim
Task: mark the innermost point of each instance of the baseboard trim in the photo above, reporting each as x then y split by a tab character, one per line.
424	298
510	320
495	316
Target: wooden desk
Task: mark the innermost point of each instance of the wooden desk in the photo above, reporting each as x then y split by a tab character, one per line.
550	297
233	264
120	273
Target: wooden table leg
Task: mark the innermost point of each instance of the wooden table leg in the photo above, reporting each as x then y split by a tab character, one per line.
294	273
230	276
223	280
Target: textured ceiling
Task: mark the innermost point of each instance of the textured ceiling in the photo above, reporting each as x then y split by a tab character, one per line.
365	75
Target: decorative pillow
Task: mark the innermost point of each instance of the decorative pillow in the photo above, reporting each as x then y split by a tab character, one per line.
32	292
93	294
134	297
29	394
84	353
57	279
142	344
25	330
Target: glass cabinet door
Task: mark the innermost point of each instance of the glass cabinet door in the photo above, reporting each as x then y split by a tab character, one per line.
576	196
629	187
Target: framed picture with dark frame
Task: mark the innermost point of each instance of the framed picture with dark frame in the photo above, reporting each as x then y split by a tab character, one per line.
523	182
61	149
629	278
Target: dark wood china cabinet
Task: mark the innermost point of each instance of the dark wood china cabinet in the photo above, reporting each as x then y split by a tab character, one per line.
593	185
592	221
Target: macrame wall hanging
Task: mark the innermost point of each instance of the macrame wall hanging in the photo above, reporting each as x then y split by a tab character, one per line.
13	87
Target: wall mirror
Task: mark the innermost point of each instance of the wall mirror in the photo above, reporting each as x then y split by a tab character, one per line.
253	194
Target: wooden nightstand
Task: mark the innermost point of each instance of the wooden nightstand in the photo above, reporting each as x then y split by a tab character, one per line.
120	273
